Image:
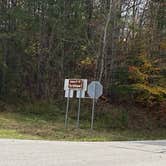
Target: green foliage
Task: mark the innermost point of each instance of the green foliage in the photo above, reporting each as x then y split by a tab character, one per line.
140	93
44	41
137	84
41	110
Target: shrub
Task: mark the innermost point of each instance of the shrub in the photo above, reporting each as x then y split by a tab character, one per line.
139	94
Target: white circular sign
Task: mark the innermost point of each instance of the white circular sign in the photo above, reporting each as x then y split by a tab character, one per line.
95	89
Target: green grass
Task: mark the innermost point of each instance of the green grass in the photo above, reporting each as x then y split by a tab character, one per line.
7	133
45	121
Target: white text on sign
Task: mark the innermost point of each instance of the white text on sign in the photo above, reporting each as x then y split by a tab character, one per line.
75	84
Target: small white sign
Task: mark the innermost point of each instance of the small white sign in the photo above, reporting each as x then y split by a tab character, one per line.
80	94
78	85
69	93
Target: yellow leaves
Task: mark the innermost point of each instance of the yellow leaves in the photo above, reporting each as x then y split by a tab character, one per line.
83	48
86	61
149	95
147	65
33	48
163	45
136	74
141	75
146	62
155	90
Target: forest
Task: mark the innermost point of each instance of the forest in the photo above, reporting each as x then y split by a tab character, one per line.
121	43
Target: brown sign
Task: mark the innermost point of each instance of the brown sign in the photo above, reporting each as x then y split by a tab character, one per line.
75	84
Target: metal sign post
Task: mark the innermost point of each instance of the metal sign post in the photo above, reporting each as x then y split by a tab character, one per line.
67	109
93	107
71	85
79	107
95	90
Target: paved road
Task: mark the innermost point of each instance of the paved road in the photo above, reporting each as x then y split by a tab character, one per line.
47	153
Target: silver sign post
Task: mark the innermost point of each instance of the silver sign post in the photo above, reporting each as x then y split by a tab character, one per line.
67	109
93	107
95	90
79	107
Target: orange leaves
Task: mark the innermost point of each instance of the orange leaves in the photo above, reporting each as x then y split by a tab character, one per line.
131	69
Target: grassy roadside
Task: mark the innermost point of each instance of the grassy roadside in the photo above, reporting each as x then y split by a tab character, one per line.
43	121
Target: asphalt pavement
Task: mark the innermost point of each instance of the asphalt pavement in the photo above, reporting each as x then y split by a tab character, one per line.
56	153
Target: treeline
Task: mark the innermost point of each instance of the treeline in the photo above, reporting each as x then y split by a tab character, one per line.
122	43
